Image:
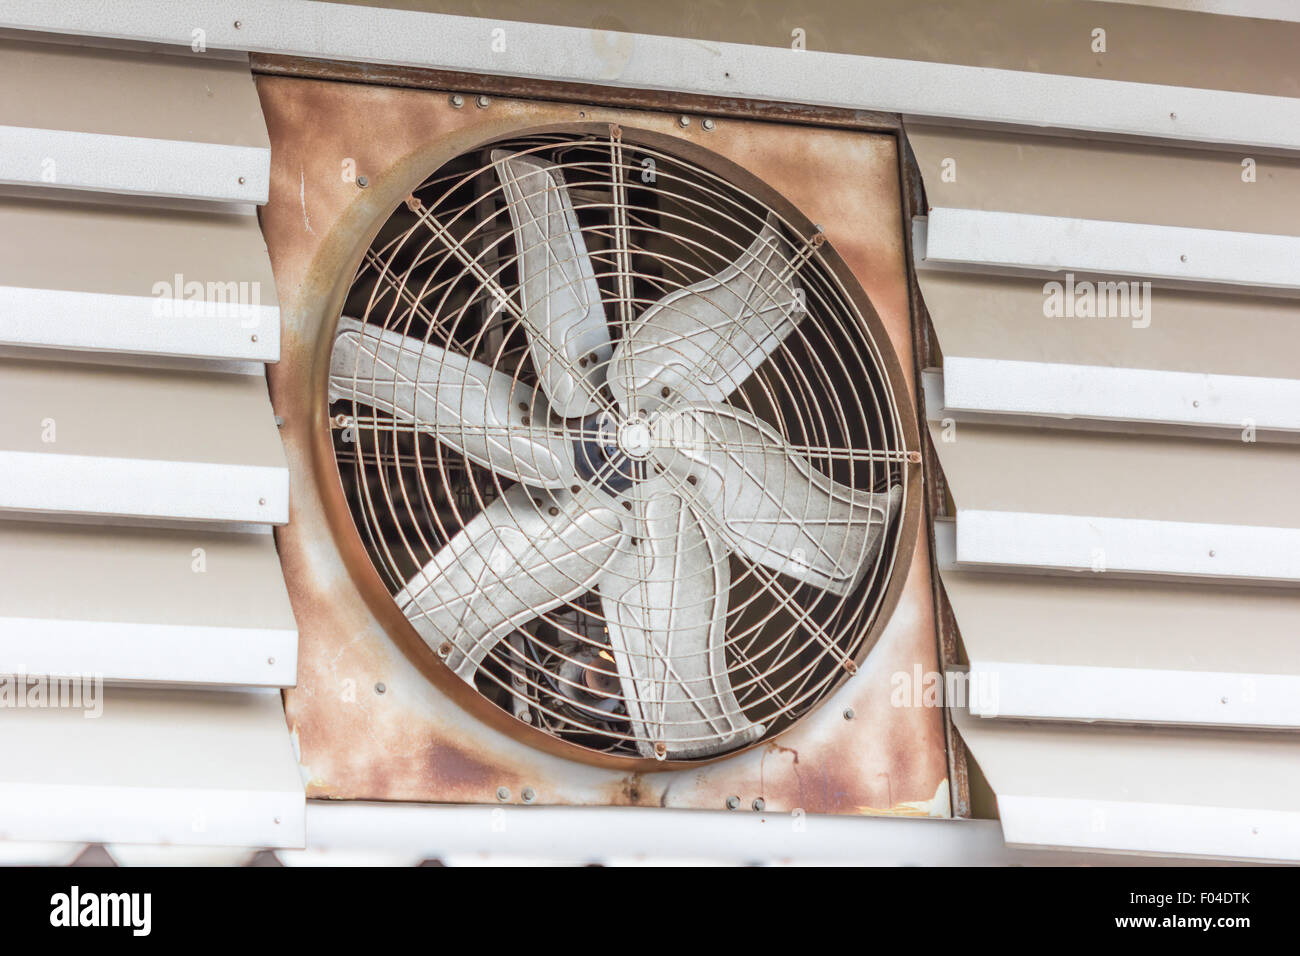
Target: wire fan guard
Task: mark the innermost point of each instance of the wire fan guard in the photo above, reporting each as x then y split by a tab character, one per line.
620	443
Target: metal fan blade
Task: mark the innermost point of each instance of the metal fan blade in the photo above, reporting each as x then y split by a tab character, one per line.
701	342
665	603
562	309
768	500
482	413
513	561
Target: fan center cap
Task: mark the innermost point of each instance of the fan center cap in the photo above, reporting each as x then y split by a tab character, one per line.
634	438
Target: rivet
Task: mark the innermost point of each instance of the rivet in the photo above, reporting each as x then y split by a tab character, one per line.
271	660
482	102
1183	257
851	667
708	125
664	392
444	649
529	794
1211	552
261	501
627	505
575	488
583	361
239	25
848	713
503	793
523	406
277	820
733	803
1223	700
253	338
457	101
1173	116
525	421
692	480
661	749
380	688
1195	404
241	180
758	804
553	512
683	121
362	182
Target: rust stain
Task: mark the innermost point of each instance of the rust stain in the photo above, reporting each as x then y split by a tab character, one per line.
414	740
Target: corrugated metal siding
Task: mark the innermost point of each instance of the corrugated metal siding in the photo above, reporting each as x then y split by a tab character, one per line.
143	470
1123	551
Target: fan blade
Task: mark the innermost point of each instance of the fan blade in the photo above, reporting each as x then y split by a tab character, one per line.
469	406
511	562
701	342
562	309
768	501
665	605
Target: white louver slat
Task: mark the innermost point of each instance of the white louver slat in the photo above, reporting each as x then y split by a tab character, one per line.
143	468
119	441
1163	791
144	604
136	279
207	768
131	122
1103	648
1122	470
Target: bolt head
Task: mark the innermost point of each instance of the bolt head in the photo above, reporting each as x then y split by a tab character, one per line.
362	182
683	121
482	102
733	803
848	713
708	124
380	688
529	794
457	101
759	804
503	793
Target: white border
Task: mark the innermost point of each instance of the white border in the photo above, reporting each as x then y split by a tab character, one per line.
145	488
1061	542
65	319
641	61
977	240
162	653
102	162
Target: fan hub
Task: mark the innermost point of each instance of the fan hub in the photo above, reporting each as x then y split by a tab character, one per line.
634	438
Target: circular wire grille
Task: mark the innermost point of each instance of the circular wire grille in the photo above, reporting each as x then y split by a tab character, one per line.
643	599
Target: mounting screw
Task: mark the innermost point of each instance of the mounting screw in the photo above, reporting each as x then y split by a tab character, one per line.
848	713
380	688
683	121
661	750
503	793
362	182
444	648
758	804
553	511
708	125
733	803
851	667
482	102
241	180
239	25
457	101
529	794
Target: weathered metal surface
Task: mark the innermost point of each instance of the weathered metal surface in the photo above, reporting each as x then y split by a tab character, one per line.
374	719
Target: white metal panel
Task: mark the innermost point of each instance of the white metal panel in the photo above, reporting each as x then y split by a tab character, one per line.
1207	794
1058	390
976	239
151	443
543	52
142	604
117	278
207	768
122	121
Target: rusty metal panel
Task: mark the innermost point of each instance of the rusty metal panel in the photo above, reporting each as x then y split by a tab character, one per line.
370	720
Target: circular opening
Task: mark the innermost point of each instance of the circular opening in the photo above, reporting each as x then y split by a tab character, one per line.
621	444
